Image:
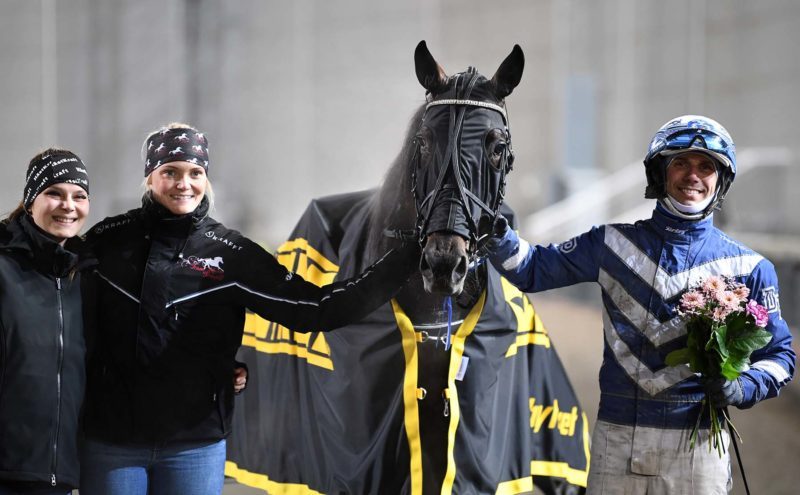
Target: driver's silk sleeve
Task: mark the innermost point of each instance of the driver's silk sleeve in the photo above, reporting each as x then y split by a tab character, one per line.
772	366
539	268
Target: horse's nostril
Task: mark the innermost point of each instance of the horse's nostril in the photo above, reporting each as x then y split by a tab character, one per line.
424	265
460	270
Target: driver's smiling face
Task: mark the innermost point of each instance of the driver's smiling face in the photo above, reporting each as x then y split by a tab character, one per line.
691	178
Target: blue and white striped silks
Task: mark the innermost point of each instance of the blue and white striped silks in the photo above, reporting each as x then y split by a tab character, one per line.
643	269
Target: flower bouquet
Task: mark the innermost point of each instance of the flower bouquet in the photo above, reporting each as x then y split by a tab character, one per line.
723	328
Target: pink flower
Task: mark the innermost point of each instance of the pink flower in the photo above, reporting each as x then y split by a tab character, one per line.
728	299
759	312
692	300
720	313
714	284
741	292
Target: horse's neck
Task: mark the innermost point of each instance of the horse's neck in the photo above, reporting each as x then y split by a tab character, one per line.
425	309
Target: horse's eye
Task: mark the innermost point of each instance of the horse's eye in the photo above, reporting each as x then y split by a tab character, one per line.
496	147
423	139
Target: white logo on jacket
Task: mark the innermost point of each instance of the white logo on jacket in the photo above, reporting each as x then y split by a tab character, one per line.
568	246
214	237
770	299
99	229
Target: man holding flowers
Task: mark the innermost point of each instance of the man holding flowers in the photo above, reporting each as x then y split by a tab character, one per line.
672	285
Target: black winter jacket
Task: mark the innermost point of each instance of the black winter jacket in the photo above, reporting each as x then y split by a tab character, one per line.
42	357
169	302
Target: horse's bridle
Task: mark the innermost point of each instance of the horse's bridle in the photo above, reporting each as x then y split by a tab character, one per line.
458	106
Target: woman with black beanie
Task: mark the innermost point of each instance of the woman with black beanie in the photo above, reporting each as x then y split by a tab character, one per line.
172	288
42	344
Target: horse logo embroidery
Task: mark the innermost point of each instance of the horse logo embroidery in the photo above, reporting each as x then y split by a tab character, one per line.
183	137
160	147
208	267
176	151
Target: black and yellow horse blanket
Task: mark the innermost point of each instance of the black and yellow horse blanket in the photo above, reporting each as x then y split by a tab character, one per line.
347	411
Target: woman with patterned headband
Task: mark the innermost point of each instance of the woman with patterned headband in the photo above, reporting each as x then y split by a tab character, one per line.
173	285
42	345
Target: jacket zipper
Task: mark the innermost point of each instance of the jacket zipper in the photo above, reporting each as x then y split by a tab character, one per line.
58	379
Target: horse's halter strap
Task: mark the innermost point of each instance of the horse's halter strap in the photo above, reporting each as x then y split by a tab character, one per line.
457	113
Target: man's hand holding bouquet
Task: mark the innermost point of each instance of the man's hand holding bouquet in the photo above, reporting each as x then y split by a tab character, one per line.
723	327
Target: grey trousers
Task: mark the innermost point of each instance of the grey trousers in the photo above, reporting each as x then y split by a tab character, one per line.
627	460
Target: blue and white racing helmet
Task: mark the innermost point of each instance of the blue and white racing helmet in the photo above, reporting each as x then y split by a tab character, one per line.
690	133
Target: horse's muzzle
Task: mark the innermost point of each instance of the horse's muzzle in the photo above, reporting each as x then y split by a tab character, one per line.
443	264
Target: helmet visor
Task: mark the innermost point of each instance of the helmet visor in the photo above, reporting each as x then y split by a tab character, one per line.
700	140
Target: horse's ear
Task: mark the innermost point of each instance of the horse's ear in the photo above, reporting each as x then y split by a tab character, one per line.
429	73
509	73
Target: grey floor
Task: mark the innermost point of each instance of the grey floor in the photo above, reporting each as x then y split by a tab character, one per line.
233	488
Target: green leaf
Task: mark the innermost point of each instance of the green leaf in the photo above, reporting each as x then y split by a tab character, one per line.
732	368
737	355
720	337
678	357
711	341
736	325
750	341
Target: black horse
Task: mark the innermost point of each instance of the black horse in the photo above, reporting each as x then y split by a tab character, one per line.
399	411
452	170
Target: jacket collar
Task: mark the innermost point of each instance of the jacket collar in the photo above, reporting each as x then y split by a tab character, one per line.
672	227
22	235
157	217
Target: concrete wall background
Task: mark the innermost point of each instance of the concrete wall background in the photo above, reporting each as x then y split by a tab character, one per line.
301	99
308	98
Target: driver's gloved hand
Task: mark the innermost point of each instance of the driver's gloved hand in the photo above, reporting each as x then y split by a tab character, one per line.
723	393
491	231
